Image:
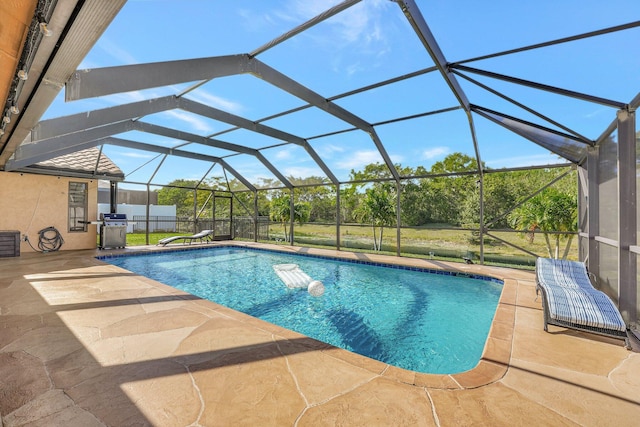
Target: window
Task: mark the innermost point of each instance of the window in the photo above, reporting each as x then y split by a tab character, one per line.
77	206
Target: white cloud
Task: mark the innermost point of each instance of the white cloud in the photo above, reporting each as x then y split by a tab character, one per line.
328	150
354	68
359	159
116	52
359	23
435	152
216	101
284	154
302	172
136	155
597	112
519	161
308	9
358	27
126	97
396	158
253	21
197	123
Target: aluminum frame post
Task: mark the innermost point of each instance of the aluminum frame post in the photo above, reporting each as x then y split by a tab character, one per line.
255	216
113	196
398	233
292	212
338	216
213	214
593	208
195	210
147	212
627	227
481	219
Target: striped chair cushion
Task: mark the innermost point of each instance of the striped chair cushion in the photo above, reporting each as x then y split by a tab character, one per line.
569	274
572	298
590	308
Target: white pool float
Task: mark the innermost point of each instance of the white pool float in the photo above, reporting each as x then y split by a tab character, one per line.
316	288
293	276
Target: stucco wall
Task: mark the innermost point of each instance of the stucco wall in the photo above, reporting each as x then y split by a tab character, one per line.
29	203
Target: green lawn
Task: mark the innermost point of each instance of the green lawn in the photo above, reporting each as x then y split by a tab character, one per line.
435	242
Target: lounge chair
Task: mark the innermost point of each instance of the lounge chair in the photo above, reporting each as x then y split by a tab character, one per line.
569	300
203	236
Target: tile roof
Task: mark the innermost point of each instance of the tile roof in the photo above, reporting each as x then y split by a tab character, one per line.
80	163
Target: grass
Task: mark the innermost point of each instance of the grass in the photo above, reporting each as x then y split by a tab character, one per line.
436	241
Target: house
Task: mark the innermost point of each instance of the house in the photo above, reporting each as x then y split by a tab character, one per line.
60	193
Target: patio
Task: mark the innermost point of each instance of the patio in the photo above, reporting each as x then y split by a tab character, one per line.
84	343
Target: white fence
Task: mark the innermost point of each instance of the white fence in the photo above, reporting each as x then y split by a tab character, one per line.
141	210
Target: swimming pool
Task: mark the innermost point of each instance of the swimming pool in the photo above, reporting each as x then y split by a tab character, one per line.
416	320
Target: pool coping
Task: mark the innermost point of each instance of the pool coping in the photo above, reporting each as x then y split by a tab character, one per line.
496	354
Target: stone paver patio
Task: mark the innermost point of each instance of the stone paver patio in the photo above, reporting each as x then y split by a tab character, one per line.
84	343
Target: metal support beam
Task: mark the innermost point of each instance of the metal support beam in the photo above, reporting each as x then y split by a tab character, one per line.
231	227
526	199
110	80
195	211
180	153
256	229
91	119
524	107
593	209
555	42
147	213
417	21
113	196
338	217
197	139
575	149
270	75
82	122
540	86
273	170
190	137
305	26
481	218
38	151
213	214
398	217
292	211
627	227
241	122
422	30
58	145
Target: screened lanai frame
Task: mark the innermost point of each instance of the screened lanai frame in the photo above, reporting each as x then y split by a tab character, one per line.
109	127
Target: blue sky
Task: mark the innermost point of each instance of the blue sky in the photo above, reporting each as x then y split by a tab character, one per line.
367	43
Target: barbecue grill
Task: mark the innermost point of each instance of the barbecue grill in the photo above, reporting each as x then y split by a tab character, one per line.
113	230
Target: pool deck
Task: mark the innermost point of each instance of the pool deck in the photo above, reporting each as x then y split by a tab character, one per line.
84	343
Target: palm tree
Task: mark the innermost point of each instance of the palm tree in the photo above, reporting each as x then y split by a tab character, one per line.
550	210
280	211
377	209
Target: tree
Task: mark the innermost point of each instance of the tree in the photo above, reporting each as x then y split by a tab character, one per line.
377	209
446	195
320	198
550	210
280	211
179	193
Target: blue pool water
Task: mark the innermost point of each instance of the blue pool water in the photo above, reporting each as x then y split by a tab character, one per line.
420	321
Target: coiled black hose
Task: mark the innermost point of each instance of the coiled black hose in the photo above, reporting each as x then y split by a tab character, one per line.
49	240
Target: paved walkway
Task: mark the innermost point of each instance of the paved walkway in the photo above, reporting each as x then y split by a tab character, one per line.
83	343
